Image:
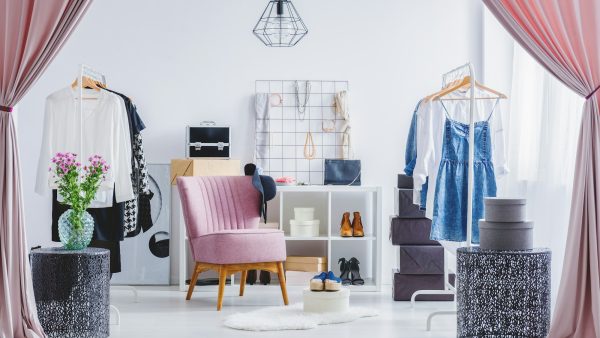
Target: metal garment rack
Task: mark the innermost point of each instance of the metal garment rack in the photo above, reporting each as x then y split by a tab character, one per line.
87	71
450	289
284	153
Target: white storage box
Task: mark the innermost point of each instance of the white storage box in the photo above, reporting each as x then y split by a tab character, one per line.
304	228
324	301
304	214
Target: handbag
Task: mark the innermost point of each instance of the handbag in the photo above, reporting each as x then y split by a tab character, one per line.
342	172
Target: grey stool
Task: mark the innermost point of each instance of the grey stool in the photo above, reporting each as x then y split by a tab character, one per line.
503	293
72	291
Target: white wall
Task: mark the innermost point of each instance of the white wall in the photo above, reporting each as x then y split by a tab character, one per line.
188	61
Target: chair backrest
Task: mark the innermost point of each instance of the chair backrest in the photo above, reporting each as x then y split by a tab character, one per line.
214	203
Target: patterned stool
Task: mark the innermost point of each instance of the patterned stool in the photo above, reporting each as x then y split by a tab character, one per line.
503	293
72	291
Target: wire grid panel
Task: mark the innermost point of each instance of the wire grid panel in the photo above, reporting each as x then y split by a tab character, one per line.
286	134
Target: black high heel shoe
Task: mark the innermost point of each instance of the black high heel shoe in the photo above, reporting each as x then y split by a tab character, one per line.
251	277
345	271
355	271
265	277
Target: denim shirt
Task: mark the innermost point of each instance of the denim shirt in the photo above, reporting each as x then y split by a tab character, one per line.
410	154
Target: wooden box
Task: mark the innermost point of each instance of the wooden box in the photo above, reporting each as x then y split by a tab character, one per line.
308	264
298	278
204	167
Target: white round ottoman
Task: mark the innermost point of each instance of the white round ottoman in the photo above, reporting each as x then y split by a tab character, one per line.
324	301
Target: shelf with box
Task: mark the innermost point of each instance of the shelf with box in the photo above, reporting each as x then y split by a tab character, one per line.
329	204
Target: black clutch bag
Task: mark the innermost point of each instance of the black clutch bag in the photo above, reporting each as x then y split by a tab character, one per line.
342	172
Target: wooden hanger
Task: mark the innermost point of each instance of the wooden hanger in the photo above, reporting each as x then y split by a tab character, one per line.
89	83
465	83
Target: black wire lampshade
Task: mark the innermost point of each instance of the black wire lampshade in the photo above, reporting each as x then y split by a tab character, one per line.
280	25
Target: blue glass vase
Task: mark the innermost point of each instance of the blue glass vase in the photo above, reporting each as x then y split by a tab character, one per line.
75	236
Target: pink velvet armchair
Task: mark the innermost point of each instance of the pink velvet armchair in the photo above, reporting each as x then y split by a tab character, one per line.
221	215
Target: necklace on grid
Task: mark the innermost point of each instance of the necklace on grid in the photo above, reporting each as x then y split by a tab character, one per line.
302	107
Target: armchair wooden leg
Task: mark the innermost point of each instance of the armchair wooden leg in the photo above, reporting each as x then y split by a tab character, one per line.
193	282
222	281
281	277
243	282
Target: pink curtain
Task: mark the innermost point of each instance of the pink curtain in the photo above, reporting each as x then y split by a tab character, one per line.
564	36
31	33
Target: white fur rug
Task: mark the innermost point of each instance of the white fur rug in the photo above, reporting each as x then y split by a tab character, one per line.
291	317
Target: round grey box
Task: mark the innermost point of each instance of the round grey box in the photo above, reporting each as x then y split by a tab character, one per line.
505	235
505	209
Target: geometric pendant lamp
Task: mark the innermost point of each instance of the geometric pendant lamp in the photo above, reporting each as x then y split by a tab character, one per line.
280	25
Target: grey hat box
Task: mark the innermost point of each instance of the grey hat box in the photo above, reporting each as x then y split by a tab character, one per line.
505	235
410	231
405	182
421	260
403	204
403	286
505	209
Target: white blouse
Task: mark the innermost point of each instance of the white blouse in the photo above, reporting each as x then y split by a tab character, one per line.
431	118
105	132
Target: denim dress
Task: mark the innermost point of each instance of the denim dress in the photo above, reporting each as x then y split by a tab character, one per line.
450	205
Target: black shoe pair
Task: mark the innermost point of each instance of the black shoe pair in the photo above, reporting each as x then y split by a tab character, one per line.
264	277
350	271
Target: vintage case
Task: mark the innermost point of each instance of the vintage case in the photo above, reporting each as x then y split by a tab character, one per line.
208	140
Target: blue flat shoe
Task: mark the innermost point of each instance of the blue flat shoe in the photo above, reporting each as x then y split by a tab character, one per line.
317	283
332	283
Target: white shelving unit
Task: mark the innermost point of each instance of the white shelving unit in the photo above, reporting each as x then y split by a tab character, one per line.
330	202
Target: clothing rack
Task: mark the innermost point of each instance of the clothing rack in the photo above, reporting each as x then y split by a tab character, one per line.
87	71
450	289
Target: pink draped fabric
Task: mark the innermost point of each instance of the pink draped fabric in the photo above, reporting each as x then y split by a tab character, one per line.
31	33
564	36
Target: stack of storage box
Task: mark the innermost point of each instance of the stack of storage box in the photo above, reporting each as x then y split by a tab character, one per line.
421	259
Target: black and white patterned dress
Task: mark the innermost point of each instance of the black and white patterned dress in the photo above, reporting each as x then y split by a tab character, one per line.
139	179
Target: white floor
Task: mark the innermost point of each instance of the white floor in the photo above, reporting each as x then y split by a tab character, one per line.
164	312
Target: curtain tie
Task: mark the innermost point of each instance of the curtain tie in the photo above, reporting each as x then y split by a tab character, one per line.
6	109
592	93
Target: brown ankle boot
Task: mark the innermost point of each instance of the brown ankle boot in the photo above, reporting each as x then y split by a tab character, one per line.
345	227
357	225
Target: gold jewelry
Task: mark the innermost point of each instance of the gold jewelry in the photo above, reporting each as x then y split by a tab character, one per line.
309	147
330	128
